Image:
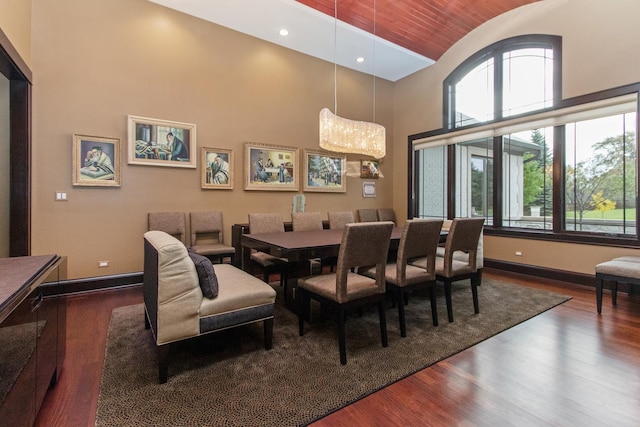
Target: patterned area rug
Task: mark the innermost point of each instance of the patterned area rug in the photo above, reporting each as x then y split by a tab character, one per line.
229	379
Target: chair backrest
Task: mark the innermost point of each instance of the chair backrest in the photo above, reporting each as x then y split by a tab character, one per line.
367	215
206	225
337	220
260	223
386	214
464	234
420	238
363	244
306	221
172	223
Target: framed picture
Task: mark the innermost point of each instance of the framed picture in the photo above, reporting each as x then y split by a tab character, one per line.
217	168
369	169
324	171
96	161
161	143
368	189
270	167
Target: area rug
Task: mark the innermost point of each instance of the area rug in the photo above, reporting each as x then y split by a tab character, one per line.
229	379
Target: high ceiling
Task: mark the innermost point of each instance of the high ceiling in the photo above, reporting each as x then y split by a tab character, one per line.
409	34
427	27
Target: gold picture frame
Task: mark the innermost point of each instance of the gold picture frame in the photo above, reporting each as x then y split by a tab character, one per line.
324	172
154	142
217	168
96	161
270	167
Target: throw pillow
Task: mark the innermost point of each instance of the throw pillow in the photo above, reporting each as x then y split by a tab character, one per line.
206	275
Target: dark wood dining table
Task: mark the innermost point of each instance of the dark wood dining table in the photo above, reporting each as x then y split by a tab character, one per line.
299	246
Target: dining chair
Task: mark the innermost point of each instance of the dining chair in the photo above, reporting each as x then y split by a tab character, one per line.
337	220
260	223
367	215
172	223
386	214
463	236
308	221
363	244
419	239
207	236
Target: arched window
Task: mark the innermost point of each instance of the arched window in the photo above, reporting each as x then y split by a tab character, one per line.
512	77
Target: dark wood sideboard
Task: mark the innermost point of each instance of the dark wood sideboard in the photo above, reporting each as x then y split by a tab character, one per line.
32	335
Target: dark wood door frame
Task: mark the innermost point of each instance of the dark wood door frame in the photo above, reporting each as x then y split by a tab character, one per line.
16	70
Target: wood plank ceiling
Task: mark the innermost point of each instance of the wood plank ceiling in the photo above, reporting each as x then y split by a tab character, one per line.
427	27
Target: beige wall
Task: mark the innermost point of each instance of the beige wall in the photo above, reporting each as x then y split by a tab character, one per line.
97	61
15	21
601	42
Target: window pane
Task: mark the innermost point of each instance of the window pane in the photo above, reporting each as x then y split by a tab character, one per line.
432	182
474	96
527	80
527	198
474	179
600	175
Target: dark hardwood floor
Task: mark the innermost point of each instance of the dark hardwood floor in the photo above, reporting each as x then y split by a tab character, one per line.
566	367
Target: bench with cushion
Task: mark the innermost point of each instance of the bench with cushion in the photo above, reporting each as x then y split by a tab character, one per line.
624	269
176	308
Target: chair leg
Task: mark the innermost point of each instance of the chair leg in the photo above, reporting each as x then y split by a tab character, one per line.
268	334
303	305
342	336
614	293
382	313
434	305
147	325
163	363
474	292
599	294
401	315
447	294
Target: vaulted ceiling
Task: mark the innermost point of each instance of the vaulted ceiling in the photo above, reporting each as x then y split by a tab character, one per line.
409	34
427	27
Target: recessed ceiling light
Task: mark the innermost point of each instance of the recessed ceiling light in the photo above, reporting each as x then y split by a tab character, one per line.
360	59
284	32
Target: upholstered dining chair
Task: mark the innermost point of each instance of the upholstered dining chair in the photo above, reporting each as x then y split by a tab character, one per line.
260	223
419	239
463	236
367	215
207	236
308	221
386	214
363	244
172	223
337	220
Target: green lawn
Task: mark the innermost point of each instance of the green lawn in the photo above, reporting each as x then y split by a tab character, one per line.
612	214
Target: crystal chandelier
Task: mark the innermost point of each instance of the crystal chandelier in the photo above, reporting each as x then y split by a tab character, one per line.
351	136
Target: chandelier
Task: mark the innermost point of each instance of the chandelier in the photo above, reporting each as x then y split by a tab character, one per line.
351	136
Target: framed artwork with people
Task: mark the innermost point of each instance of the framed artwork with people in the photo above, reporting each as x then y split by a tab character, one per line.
96	161
270	167
325	171
217	168
369	169
156	142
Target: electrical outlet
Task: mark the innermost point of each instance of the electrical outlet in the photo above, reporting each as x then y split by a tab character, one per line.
518	253
102	264
61	196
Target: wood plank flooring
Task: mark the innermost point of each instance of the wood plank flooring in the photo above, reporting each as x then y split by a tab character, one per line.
565	367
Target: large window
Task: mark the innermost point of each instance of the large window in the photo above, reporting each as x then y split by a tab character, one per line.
525	159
